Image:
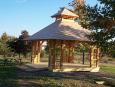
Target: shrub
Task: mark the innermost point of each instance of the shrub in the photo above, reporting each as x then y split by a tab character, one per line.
113	53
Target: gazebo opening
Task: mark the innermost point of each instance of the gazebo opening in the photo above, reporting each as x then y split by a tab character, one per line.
62	37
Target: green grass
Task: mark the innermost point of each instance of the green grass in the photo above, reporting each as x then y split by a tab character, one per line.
10	77
8	83
108	69
7	72
52	82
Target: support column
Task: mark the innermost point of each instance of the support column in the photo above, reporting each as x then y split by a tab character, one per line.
69	55
49	58
71	51
92	59
83	60
62	55
36	48
52	54
90	54
98	57
33	52
94	56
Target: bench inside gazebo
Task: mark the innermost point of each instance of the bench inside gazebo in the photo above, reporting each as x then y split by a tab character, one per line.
62	36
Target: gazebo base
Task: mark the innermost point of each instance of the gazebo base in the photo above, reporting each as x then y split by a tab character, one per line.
90	69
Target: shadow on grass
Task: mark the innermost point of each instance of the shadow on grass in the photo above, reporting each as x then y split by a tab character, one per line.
47	76
8	74
8	83
11	76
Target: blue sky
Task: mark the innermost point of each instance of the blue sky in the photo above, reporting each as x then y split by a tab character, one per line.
30	15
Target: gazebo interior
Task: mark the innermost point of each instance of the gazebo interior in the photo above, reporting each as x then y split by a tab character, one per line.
62	37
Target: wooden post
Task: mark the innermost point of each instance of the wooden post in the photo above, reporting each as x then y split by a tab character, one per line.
36	48
91	56
73	54
52	54
65	56
49	59
71	51
94	56
83	61
38	51
69	55
62	55
98	57
33	53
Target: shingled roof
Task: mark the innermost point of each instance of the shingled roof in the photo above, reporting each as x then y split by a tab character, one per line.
63	29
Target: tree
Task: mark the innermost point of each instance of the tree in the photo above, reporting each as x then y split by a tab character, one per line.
24	45
102	22
4	49
80	9
100	19
12	44
19	45
24	35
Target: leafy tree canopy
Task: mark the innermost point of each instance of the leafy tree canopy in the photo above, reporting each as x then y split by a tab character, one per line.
100	19
4	49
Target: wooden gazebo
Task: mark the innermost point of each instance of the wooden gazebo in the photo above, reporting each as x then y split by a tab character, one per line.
64	34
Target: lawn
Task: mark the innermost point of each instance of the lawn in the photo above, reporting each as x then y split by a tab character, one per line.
108	69
12	76
44	79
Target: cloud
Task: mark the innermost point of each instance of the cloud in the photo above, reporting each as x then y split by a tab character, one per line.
21	1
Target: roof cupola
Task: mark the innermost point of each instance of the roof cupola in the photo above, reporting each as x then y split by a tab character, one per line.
65	13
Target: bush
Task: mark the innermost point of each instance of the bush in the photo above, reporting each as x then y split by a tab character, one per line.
113	54
8	62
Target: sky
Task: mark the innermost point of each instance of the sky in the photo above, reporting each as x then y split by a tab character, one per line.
30	15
